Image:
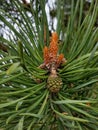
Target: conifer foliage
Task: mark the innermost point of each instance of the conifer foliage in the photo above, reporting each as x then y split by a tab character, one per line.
45	85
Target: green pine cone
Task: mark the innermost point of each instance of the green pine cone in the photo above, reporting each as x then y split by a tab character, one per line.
54	84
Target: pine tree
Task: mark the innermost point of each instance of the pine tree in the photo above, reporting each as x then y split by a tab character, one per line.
44	85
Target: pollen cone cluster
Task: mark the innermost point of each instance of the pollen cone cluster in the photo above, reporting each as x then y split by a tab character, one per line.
52	61
51	55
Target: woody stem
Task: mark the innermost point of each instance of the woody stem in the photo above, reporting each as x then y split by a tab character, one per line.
53	71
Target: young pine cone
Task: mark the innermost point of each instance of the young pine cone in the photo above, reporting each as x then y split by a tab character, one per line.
54	83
